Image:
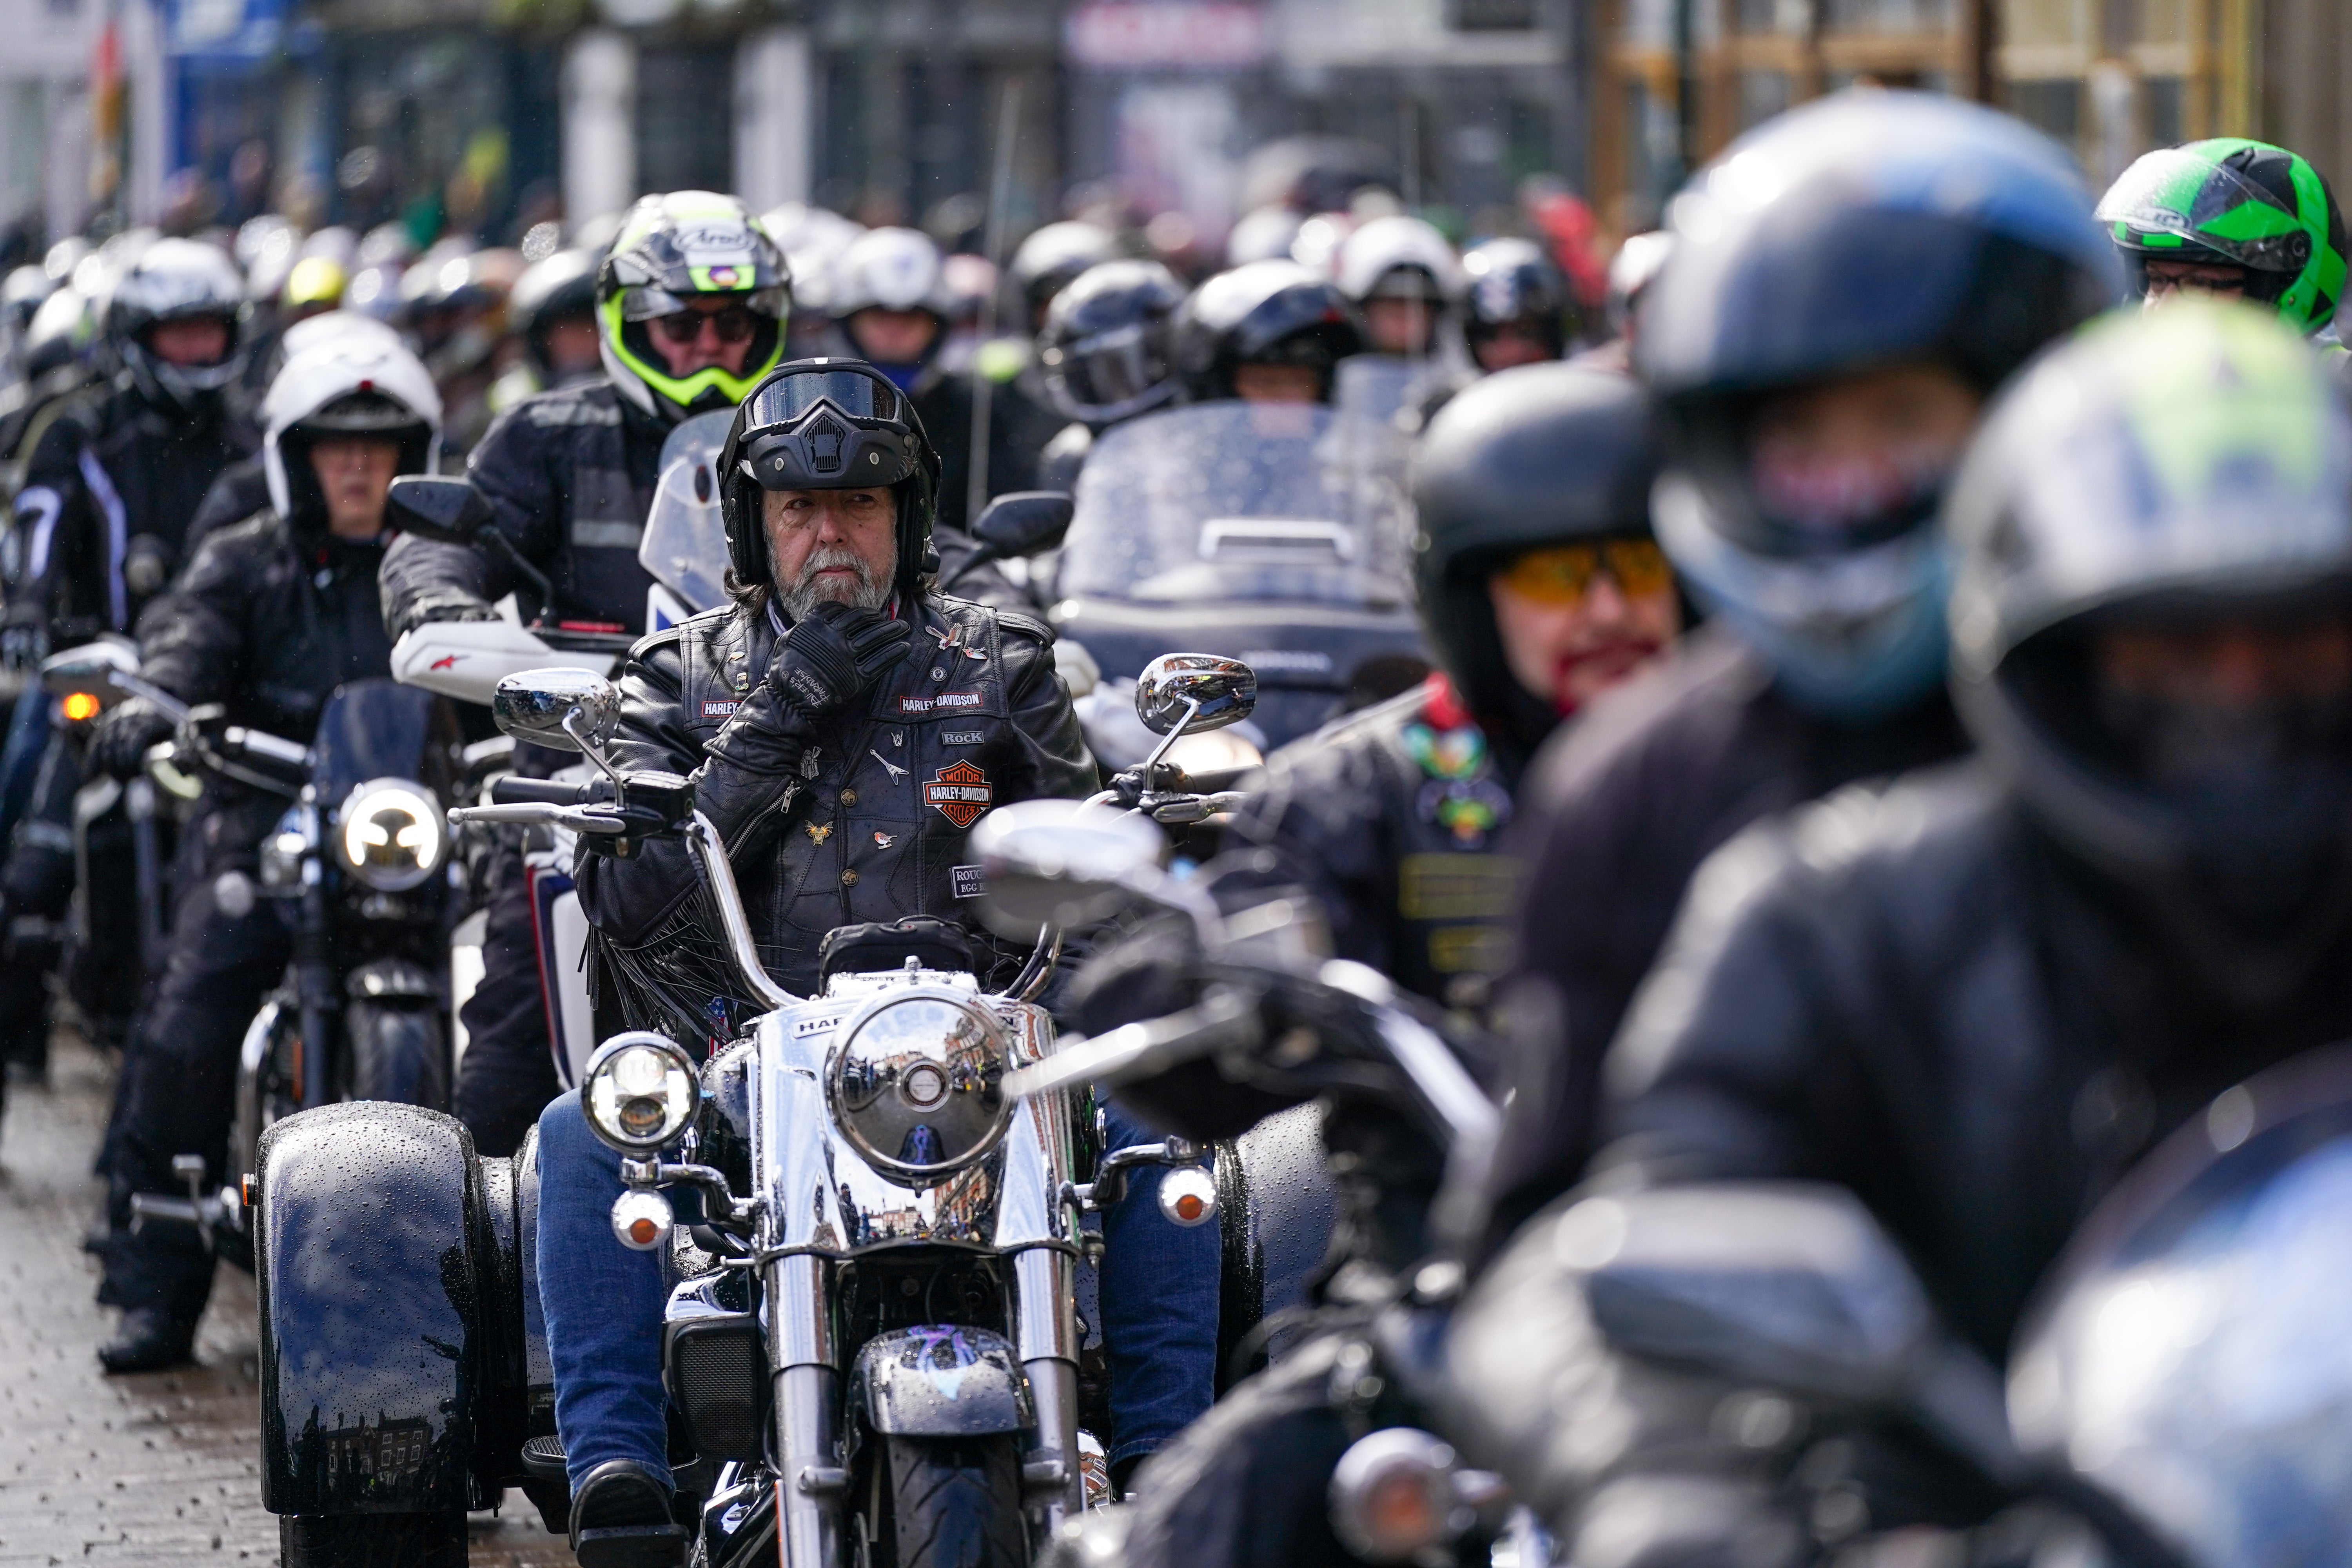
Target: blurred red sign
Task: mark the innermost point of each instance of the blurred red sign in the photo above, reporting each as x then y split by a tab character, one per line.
1136	33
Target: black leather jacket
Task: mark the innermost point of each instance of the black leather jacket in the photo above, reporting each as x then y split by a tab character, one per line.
268	619
1390	817
1909	992
1614	815
102	518
570	475
859	818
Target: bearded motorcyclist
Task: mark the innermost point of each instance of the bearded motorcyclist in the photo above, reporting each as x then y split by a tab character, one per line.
1539	586
690	305
109	492
2236	218
1265	331
268	618
1108	350
839	720
1812	424
1972	997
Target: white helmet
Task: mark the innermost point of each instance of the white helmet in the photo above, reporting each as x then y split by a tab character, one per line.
894	270
1372	259
175	280
353	383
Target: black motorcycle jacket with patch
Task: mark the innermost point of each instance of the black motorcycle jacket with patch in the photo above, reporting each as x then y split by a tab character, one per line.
102	519
1615	814
570	475
858	816
1390	817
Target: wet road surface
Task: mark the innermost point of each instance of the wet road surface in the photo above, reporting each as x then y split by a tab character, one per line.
161	1468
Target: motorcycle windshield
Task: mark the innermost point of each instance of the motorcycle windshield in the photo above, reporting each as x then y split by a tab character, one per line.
1225	501
685	543
2192	1357
370	730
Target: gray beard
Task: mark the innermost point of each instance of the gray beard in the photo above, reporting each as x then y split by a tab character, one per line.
805	593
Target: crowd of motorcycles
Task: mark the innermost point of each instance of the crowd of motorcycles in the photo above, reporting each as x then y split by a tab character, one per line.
853	1294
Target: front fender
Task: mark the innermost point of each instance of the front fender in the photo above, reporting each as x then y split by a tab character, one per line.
372	1240
940	1381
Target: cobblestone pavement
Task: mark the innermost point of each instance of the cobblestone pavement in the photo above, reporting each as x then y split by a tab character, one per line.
156	1470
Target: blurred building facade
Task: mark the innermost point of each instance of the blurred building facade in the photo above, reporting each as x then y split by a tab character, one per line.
1673	80
488	115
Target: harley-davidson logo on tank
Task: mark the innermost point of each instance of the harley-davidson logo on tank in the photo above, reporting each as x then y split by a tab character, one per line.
962	793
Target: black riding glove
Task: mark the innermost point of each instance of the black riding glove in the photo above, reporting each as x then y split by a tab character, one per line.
829	659
833	655
118	742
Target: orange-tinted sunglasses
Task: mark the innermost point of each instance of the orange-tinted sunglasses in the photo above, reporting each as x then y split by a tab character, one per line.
1563	573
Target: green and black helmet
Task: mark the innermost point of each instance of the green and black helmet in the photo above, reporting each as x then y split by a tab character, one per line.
2237	203
672	249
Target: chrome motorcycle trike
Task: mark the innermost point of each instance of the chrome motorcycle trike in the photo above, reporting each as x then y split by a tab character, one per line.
871	1347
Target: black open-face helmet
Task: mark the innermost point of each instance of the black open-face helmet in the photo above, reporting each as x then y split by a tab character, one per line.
1537	456
827	424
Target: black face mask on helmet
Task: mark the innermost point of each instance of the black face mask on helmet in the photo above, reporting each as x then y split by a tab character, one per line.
827	424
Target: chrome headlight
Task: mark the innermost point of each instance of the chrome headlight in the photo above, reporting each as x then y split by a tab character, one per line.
391	835
639	1091
916	1084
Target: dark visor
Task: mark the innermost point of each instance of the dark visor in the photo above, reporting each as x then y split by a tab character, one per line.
786	399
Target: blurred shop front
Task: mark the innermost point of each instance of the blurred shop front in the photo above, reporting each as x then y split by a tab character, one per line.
1461	99
1676	79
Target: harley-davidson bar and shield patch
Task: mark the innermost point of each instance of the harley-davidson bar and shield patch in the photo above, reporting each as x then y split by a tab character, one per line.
962	793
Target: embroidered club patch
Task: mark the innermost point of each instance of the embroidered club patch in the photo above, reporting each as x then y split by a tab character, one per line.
968	881
949	700
719	708
962	738
961	791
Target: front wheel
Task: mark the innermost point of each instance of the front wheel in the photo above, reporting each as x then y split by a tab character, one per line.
952	1504
400	1054
373	1539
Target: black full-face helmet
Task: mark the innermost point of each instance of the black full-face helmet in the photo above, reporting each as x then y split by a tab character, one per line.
1540	454
1264	312
827	424
2163	475
1108	344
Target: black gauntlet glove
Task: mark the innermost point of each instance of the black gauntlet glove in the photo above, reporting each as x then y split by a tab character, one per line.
833	655
118	742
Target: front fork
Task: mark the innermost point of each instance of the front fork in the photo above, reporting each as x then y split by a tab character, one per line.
811	1481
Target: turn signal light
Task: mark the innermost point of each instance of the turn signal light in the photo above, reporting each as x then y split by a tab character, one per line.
80	706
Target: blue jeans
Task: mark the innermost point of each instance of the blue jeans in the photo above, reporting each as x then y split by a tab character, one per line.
602	1304
1158	1309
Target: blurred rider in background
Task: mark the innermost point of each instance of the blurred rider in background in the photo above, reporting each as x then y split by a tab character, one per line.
1975	996
1812	423
1265	331
690	308
268	618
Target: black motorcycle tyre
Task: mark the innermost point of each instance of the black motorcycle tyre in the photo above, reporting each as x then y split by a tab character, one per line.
373	1541
951	1503
397	1053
